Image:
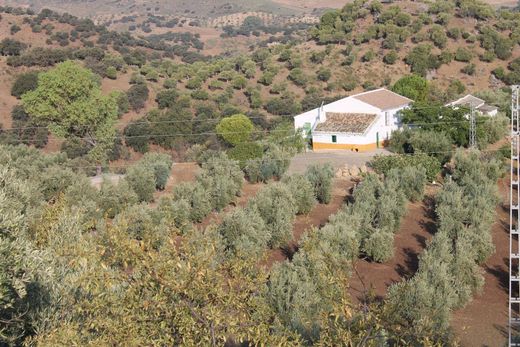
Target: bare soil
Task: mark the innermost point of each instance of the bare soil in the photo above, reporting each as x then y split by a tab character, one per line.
483	322
417	228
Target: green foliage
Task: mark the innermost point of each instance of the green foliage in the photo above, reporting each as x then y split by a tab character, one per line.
302	191
391	57
160	164
463	54
235	129
412	181
298	77
431	142
69	98
137	96
412	86
384	163
245	233
196	197
440	119
142	181
421	59
276	206
243	152
24	83
380	246
115	197
166	98
449	274
222	179
320	176
137	136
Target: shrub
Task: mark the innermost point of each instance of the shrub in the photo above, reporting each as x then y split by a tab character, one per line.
380	246
166	98
14	29
302	192
391	57
142	182
222	178
197	198
9	47
277	208
298	77
434	143
137	96
55	180
137	135
412	181
245	151
384	163
115	197
161	165
463	54
469	69
111	72
244	232
235	129
324	74
24	82
321	177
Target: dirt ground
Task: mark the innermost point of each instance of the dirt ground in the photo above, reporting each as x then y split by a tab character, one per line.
338	159
417	228
483	322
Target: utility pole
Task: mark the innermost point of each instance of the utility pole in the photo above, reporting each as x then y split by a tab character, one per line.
472	127
514	231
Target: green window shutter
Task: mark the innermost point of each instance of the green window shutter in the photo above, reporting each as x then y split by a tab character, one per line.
334	139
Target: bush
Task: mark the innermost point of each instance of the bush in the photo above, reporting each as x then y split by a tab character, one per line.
137	96
320	176
166	98
115	197
235	129
298	77
277	207
161	165
324	74
412	181
469	69
55	180
384	163
142	182
222	178
391	57
197	198
9	47
137	136
463	54
412	86
431	142
24	82
245	233
380	246
302	192
245	151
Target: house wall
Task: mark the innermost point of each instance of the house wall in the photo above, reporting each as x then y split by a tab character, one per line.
360	142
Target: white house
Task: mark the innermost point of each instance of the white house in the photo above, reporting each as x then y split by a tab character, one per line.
359	122
478	104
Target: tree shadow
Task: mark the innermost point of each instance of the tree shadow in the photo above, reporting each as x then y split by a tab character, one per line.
421	239
411	264
501	274
290	250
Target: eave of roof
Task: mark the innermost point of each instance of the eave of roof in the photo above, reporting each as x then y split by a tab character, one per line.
346	123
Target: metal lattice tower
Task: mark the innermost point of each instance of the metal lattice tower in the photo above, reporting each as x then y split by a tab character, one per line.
472	128
514	244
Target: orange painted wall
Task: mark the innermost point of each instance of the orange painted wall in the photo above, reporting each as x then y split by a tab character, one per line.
360	148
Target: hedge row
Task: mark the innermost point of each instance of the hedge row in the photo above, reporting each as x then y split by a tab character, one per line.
449	273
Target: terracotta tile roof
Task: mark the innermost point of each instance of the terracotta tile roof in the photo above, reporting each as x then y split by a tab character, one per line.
353	123
383	99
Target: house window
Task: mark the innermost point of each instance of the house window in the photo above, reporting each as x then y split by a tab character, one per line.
334	139
387	118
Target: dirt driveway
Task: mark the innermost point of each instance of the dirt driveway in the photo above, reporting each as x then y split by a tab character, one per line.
338	158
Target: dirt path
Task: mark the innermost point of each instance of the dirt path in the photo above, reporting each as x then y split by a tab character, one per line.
417	227
319	216
483	322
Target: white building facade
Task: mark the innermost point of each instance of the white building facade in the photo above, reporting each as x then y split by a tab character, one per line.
359	122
